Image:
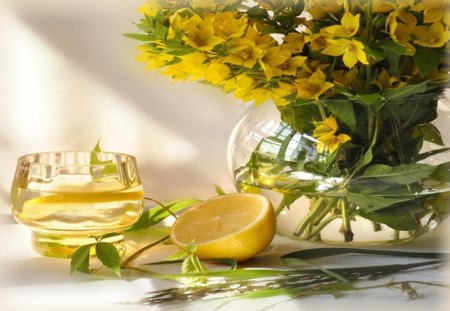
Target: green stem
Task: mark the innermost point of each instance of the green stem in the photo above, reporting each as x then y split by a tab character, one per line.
376	226
140	251
308	218
370	125
318	229
323	114
162	205
324	212
396	235
280	207
348	234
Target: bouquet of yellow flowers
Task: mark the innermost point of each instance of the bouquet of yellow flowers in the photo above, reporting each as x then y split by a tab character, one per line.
361	79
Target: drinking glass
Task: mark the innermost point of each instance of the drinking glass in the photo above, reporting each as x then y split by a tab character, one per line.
70	198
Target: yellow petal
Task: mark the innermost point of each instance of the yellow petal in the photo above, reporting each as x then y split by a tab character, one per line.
350	59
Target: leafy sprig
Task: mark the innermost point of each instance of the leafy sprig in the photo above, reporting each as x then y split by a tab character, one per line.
106	252
263	283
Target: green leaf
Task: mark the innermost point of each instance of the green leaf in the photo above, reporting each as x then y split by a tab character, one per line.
228	261
191	248
139	37
442	173
157	214
108	235
431	133
426	60
102	168
315	253
395	218
371	203
368	155
393	46
299	116
219	190
427	154
295	262
161	31
374	100
344	111
393	52
80	259
400	174
177	256
192	264
109	256
375	54
407	91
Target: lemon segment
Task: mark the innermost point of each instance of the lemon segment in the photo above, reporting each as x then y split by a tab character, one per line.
235	226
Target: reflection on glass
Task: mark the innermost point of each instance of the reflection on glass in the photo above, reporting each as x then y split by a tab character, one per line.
68	198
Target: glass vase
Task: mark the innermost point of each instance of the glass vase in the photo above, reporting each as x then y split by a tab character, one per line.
344	206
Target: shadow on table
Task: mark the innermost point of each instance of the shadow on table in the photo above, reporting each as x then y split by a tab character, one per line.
35	271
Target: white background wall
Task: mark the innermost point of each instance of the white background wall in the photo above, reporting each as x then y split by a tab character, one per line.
68	77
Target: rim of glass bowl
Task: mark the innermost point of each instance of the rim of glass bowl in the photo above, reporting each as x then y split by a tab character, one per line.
127	158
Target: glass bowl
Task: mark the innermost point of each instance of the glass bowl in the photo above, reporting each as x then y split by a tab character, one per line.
69	198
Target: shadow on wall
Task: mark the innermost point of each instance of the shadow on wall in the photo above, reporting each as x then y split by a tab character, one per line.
89	34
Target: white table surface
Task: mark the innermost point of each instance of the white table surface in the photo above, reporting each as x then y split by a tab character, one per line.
67	78
31	282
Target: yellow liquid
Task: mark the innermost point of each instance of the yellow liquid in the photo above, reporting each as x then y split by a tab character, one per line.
69	212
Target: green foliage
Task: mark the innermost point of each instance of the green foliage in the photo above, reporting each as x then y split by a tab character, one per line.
156	214
343	111
80	259
106	167
295	282
106	252
109	256
219	190
401	174
426	60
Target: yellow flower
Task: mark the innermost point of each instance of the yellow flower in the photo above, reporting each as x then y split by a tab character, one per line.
344	78
312	87
191	65
401	27
278	61
182	24
226	25
149	8
433	36
202	36
245	51
208	5
321	8
176	72
318	40
295	40
154	61
352	51
325	132
348	28
217	72
259	95
382	6
434	10
280	92
385	81
204	4
331	142
242	85
325	127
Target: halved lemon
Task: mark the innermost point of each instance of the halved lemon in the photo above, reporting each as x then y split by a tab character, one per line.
235	226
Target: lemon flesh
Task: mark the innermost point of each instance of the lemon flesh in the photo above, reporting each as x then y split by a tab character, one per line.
235	226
